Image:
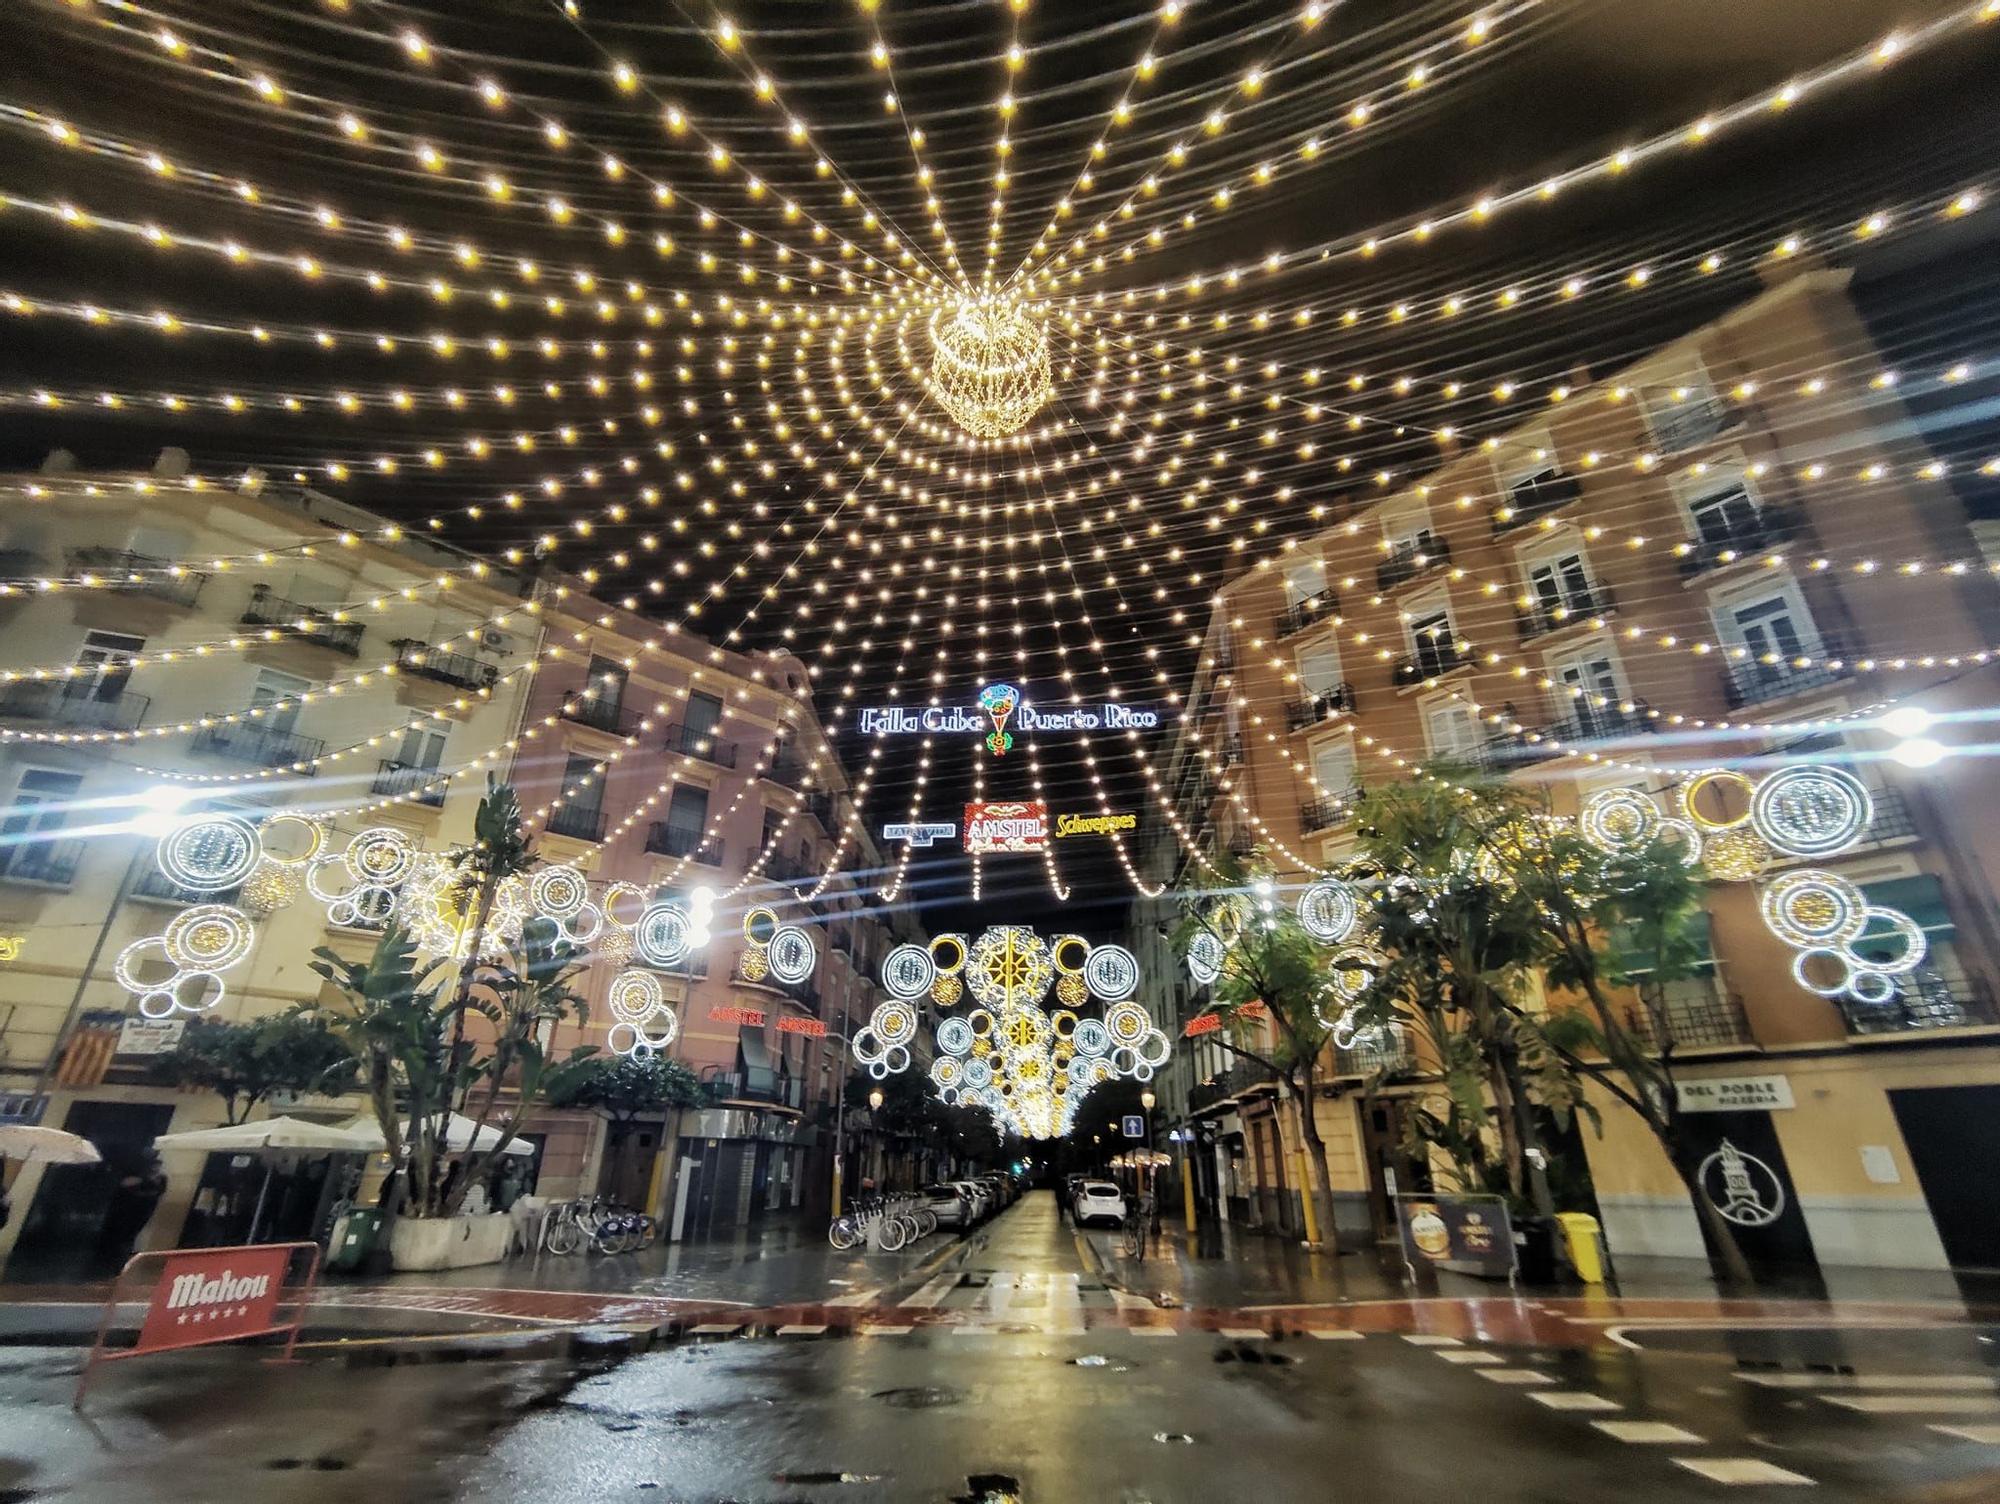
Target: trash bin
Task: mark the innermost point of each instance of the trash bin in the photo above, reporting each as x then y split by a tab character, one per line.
355	1234
1535	1250
1586	1245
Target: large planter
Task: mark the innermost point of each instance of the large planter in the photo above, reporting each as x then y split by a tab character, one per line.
448	1242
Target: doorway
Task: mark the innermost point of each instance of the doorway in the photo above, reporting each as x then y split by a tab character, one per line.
1948	1132
86	1219
1745	1177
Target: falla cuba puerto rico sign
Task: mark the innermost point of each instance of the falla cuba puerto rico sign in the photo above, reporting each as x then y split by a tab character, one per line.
1000	711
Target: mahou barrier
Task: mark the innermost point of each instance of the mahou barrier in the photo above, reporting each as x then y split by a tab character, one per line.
203	1296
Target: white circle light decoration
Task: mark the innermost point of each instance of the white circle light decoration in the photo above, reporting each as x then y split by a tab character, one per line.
1111	972
663	935
908	971
791	955
1205	955
380	857
1811	810
644	1021
1619	819
1327	912
212	854
989	364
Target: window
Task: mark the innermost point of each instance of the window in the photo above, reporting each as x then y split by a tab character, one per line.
1585	679
704	714
421	749
1319	671
1774	624
1561	582
687	813
106	659
587	796
30	825
1333	766
1304	580
1684	412
1723	510
1452	731
1432	641
282	690
606	688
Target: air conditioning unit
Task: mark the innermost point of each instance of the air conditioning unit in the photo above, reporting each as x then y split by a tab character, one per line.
493	640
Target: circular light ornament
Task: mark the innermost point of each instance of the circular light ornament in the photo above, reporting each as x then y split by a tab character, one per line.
792	955
1871	987
283	830
1809	908
271	887
894	1023
947	992
760	925
989	364
663	935
1811	810
1009	965
1734	855
978	1074
1811	968
1154	1048
1092	1038
624	903
1353	971
752	965
186	992
1707	798
126	967
381	857
1111	972
908	971
1683	833
212	854
209	937
633	995
1126	1023
946	1072
615	947
1069	954
1073	991
1327	911
559	891
954	1036
1205	955
948	954
1618	819
1902	929
867	1046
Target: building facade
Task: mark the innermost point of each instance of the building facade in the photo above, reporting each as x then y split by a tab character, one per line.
1679	565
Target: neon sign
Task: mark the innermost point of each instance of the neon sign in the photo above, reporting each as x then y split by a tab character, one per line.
920	834
899	720
1094	825
1014	825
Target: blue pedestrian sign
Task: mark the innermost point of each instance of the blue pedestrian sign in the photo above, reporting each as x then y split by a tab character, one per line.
1135	1126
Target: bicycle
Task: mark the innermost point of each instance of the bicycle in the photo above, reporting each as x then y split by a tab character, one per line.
1137	1216
594	1222
891	1223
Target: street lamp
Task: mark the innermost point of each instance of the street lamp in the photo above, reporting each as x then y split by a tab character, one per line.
874	1098
1146	1100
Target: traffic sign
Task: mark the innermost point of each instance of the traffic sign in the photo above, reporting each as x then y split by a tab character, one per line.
1135	1126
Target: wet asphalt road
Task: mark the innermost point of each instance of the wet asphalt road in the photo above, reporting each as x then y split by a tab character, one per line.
1016	1375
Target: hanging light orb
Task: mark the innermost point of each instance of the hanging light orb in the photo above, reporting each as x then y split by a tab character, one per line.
989	365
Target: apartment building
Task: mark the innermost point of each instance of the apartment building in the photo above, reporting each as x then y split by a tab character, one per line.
251	647
717	774
1704	557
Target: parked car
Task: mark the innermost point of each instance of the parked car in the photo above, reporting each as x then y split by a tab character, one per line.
1099	1201
1070	1186
980	1197
950	1204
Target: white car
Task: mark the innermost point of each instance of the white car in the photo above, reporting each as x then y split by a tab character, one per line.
1099	1201
982	1198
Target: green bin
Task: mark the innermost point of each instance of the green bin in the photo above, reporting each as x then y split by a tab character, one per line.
355	1234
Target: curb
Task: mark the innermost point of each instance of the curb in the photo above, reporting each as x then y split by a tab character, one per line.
595	1344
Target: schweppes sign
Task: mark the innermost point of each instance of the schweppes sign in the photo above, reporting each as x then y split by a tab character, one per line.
1095	825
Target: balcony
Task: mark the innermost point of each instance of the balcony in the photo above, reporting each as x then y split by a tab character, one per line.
1232	751
90	705
1421	554
1328	811
821	807
760	1087
38	863
1685	424
1245	1076
306	623
19	565
139	574
805	994
402	780
1575	608
263	746
1434	661
1696	1014
1310	611
155	886
1892	821
1504	751
1536	498
1750	682
1721	546
1312	709
1924	999
419	660
1377	1051
663	839
692	741
786	771
599	714
779	868
580	822
1596	723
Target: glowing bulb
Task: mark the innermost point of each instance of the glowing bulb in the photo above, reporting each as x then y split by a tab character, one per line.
1918	752
1908	722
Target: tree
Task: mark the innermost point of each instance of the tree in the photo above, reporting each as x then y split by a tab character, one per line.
626	1088
245	1063
1272	972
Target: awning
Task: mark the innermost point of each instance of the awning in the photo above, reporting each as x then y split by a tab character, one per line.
756	1056
1921	897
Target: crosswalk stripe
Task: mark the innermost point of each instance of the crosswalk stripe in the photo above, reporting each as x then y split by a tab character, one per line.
1740	1470
872	1330
1912	1381
800	1329
1986	1436
1342	1335
1917	1404
715	1329
932	1294
1242	1333
1425	1339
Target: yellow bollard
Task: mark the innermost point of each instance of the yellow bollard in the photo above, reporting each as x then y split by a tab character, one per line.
836	1188
1187	1189
1306	1198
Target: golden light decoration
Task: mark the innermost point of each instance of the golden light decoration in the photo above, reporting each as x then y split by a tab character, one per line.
271	888
753	967
989	365
1071	990
946	992
1734	855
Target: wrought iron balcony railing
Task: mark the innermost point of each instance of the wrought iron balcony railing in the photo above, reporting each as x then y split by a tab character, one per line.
663	839
1328	811
1425	552
599	714
1574	608
139	574
580	822
1695	1013
1535	499
265	746
402	780
40	863
1754	683
86	704
1431	662
692	741
1772	527
1311	709
419	660
305	623
1309	611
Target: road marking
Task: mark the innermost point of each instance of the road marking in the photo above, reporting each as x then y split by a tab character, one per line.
799	1330
974	1331
1986	1436
1242	1333
872	1330
1472	1357
1342	1335
715	1329
932	1294
857	1298
1153	1331
1514	1375
1917	1404
1575	1399
1739	1470
1645	1432
1424	1339
1869	1380
1125	1301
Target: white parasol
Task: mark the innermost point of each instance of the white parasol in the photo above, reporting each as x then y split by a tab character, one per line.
49	1146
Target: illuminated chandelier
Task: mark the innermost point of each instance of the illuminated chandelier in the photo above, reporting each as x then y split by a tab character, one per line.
989	365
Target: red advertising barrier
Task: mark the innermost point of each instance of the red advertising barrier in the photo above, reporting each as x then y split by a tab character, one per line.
207	1295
